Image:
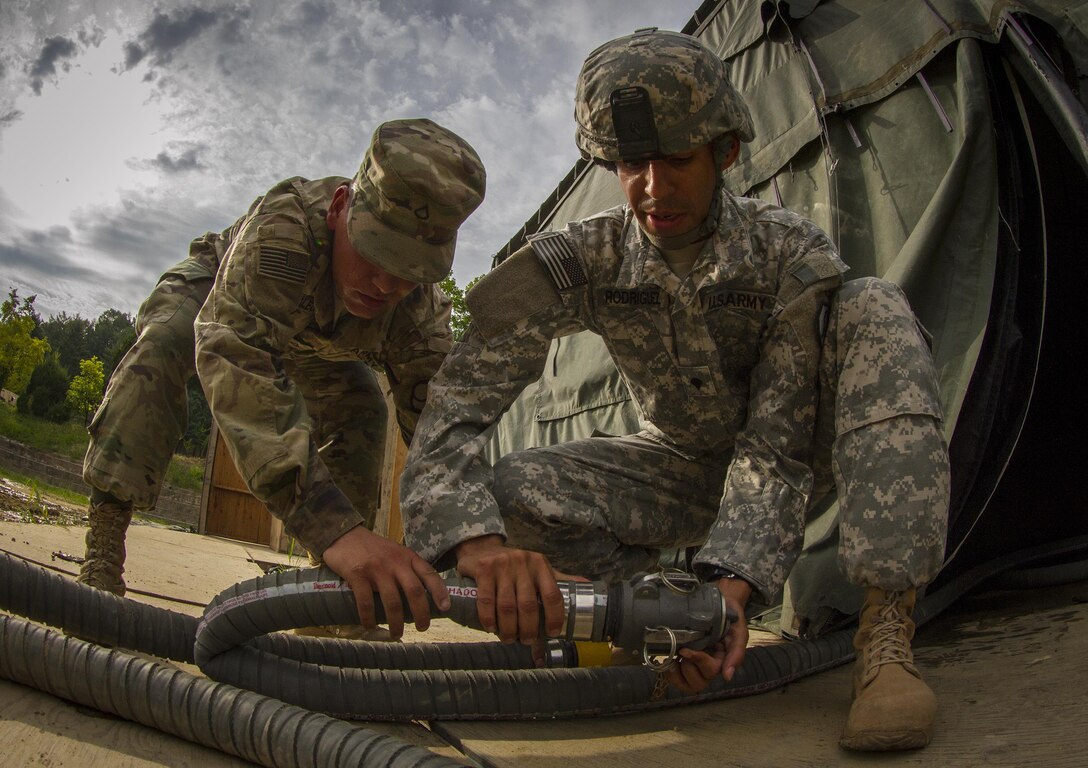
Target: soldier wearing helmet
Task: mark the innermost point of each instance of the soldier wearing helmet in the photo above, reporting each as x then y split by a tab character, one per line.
755	370
294	304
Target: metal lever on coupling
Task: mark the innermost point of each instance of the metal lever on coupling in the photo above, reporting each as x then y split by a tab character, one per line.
661	646
660	613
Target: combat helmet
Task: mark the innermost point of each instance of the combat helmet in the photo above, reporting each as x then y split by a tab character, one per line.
417	184
654	93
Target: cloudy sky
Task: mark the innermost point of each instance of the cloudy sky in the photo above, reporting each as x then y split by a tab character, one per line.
129	127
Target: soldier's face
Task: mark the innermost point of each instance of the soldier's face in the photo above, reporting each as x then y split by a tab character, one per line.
366	290
671	195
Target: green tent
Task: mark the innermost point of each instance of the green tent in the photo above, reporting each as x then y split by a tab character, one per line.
943	144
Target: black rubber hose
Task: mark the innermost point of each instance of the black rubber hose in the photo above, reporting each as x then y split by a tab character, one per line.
49	598
937	601
229	647
241	723
1042	576
398	693
351	653
230	644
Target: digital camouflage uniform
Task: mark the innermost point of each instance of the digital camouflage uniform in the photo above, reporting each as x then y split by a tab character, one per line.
751	374
758	374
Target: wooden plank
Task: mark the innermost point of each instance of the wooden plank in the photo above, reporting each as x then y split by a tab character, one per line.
228	508
224	473
1009	670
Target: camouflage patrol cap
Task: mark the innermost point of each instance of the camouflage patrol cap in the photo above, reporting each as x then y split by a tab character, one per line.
417	184
655	93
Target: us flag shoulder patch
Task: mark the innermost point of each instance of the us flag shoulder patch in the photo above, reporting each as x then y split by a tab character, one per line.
558	257
283	264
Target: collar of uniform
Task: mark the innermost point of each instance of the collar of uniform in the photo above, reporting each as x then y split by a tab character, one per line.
731	247
363	339
328	308
643	263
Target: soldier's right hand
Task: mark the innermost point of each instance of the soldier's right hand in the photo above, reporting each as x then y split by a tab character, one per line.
371	563
512	587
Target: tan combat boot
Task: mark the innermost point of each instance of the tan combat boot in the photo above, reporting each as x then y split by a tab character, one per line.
893	708
104	561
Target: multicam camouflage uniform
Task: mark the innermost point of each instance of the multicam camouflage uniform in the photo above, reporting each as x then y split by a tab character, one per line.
309	362
754	373
143	414
279	358
287	370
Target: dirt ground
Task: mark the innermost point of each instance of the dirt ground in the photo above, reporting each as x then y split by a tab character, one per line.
20	503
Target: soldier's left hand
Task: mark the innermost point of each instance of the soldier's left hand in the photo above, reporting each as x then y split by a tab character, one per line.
695	670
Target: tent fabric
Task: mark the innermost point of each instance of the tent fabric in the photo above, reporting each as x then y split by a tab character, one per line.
875	121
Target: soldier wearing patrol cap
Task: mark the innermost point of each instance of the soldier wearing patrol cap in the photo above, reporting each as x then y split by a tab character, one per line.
761	378
318	283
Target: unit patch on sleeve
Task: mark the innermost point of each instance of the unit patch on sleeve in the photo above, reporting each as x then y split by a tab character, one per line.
557	256
283	264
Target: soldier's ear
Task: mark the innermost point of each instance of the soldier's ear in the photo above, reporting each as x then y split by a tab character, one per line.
730	151
338	206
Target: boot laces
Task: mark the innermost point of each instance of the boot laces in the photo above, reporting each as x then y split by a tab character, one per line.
109	522
887	640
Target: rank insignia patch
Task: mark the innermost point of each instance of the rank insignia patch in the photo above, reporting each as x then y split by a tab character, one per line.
283	264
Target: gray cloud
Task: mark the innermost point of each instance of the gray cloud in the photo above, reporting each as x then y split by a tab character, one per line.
44	255
167	33
146	233
311	16
187	160
92	37
54	52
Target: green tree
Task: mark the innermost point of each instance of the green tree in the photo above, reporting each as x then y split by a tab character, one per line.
67	337
85	391
20	351
460	317
117	350
110	325
195	440
45	395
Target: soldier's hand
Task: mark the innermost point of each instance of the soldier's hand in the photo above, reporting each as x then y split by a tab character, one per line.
371	563
512	587
695	670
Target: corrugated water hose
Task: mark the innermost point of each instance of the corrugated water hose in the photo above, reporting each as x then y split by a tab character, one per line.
276	692
292	679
